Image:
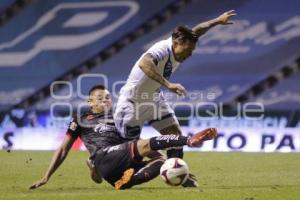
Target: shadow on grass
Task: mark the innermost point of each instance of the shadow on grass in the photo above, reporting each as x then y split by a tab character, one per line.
108	189
164	188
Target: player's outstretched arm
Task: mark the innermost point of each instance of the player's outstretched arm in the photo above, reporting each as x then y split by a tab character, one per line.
223	19
147	65
57	159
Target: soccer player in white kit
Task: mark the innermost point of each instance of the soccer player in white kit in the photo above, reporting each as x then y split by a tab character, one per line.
140	98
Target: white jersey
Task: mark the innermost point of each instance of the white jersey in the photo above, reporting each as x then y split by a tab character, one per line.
139	87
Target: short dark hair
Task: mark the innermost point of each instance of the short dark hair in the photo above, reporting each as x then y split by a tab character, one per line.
97	87
184	33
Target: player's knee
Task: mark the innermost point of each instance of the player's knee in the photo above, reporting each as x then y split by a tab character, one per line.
173	129
177	130
143	147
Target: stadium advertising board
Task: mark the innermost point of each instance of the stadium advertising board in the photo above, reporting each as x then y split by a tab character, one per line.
229	139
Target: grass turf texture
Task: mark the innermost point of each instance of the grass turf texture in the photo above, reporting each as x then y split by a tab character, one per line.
241	176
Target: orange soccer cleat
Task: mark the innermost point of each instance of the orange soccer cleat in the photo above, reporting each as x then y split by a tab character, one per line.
197	139
124	180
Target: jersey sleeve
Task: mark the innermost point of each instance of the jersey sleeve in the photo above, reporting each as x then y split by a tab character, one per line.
159	52
74	128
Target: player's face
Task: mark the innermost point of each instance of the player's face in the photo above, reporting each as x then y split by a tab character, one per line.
183	49
100	100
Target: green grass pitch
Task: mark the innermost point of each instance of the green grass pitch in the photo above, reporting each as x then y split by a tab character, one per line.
232	176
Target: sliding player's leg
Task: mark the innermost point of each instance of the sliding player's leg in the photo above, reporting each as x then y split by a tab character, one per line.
122	163
142	148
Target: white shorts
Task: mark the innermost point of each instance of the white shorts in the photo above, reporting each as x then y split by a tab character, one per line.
130	116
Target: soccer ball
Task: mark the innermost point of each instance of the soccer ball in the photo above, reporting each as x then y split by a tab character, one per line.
174	171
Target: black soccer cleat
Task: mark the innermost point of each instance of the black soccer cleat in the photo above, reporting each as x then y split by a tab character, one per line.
191	181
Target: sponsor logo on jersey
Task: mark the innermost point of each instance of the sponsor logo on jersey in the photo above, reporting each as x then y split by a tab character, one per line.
73	126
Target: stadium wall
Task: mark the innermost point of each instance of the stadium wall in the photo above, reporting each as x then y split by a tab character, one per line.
229	139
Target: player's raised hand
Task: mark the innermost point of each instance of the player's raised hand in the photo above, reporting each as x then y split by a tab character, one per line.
225	17
177	88
39	183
